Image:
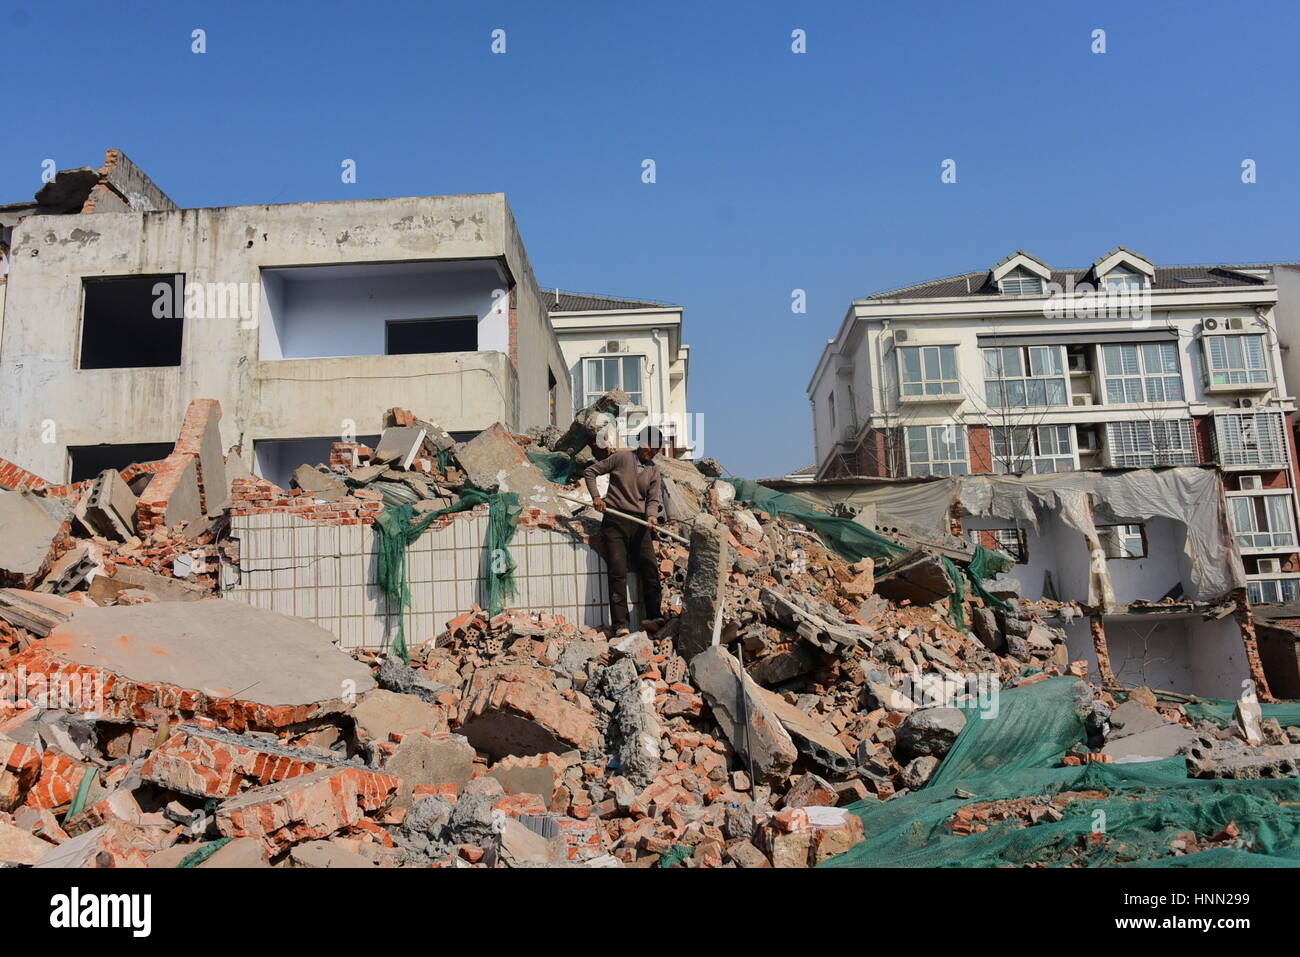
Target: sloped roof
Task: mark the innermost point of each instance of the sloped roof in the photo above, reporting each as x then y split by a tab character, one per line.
584	302
977	284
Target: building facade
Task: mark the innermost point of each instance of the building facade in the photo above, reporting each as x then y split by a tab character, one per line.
305	320
633	345
1026	369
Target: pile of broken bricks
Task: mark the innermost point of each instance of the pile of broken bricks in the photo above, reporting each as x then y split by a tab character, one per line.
148	723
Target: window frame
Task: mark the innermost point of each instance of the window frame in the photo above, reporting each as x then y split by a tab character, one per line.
947	388
1128	531
1144	377
1128	275
934	464
1245	375
1285	582
1257	539
1015	285
1034	454
1153	457
1025	356
586	397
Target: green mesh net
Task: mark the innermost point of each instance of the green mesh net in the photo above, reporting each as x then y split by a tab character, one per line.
1219	710
1130	816
854	542
398	526
558	467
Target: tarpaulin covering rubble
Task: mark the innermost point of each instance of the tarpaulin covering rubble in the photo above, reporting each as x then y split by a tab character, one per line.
1011	751
1193	497
398	528
853	542
1220	711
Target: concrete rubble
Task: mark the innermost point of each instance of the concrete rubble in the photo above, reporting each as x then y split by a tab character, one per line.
785	685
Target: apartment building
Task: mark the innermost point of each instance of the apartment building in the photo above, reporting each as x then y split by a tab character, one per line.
305	320
629	344
1027	369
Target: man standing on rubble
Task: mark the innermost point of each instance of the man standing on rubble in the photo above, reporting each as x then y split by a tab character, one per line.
635	484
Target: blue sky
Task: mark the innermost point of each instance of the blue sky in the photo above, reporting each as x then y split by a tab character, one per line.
775	171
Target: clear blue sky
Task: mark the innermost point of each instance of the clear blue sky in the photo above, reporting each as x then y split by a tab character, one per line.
776	171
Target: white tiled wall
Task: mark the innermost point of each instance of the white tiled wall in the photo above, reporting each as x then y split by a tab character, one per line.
329	574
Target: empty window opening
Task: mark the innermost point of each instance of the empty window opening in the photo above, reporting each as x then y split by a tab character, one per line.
132	322
411	336
87	461
1123	541
1012	541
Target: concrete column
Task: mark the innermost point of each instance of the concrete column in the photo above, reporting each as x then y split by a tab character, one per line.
706	582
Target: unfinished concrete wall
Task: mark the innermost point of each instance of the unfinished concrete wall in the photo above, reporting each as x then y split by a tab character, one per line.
231	245
330	573
1168	652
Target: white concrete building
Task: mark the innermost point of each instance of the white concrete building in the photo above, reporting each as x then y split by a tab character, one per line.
633	345
305	320
1024	369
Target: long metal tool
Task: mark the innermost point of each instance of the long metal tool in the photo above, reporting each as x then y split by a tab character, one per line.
631	518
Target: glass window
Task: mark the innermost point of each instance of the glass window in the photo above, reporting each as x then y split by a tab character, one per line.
1141	372
1018	377
1262	521
1260	591
936	450
1236	360
1036	449
604	373
928	370
1022	286
1123	279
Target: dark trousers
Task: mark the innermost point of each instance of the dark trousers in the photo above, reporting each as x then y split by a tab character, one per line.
624	540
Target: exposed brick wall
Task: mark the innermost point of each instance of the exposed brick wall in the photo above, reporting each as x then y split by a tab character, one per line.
151	510
1203	438
190	440
16	478
979	441
256	496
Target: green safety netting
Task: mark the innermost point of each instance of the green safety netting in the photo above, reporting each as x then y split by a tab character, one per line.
1011	749
398	527
1219	710
853	542
558	467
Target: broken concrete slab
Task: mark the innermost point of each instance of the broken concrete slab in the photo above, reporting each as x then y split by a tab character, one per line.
398	447
247	667
20	847
172	496
29	525
328	855
1151	744
744	716
427	758
317	484
1207	758
200	438
918	577
1132	717
493	462
707	572
810	737
379	713
37	612
104	589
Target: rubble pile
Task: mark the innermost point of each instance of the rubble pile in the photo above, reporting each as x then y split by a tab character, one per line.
147	722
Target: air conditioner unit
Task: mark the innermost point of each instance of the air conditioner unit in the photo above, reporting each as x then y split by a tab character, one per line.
1237	324
1250	483
1270	566
1210	325
1083	399
850	432
901	335
1248	402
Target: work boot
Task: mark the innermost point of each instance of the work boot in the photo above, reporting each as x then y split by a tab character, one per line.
622	632
652	625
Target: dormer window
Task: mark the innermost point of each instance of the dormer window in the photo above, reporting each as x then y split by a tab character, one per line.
1123	279
1022	286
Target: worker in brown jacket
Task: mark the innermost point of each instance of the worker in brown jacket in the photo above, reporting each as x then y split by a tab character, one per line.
635	487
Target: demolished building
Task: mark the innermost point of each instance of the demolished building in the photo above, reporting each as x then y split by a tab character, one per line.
182	689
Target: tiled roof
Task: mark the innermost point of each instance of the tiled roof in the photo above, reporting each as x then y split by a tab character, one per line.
581	302
1167	277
